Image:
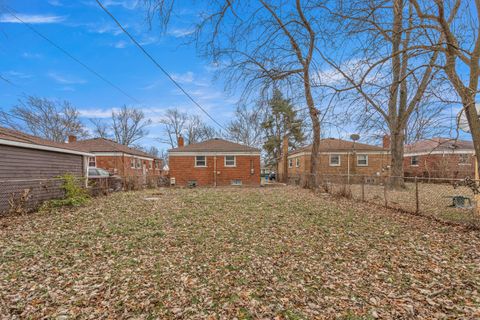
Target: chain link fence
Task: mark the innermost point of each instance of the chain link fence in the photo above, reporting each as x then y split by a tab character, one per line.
24	195
447	200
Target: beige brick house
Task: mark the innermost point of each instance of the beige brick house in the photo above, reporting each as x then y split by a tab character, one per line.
338	157
214	162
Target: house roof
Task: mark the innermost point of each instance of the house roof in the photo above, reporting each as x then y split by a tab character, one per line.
438	145
107	145
22	139
332	145
215	145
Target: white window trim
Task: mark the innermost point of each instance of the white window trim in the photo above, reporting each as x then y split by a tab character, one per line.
204	166
362	165
234	161
290	163
134	161
297	162
411	161
335	164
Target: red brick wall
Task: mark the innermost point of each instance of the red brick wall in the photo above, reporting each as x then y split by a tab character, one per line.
439	166
183	169
376	163
120	165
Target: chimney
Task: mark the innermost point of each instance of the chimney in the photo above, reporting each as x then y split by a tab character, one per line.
72	138
180	141
386	141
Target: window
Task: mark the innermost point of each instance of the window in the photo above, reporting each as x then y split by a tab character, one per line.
139	164
334	160
200	161
362	160
290	163
91	162
230	161
150	164
236	182
157	164
414	161
297	162
463	159
132	163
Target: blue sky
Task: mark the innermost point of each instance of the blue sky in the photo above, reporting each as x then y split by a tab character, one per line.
37	68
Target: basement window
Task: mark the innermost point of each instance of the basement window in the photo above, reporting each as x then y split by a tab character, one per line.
236	182
200	161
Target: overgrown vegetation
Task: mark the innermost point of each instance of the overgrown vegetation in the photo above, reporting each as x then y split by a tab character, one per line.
75	194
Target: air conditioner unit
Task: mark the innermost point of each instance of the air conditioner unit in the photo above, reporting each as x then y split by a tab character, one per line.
172	181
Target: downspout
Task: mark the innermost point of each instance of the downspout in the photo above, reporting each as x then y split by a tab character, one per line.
215	170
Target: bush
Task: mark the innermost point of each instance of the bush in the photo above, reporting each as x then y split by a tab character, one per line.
75	194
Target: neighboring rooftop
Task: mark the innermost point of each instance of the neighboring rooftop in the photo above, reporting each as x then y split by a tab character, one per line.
332	145
215	145
107	145
439	144
24	138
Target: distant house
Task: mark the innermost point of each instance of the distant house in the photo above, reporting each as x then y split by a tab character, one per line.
337	157
215	162
440	158
31	166
118	159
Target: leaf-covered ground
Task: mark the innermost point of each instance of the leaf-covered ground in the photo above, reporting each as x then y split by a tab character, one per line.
249	253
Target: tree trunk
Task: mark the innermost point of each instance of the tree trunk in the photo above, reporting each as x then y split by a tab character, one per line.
473	121
314	161
396	152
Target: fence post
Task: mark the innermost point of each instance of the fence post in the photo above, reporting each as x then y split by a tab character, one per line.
385	182
363	188
417	200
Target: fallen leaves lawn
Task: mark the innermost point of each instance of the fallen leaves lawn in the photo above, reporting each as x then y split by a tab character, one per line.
235	253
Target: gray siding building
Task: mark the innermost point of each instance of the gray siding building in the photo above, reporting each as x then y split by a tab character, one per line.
31	167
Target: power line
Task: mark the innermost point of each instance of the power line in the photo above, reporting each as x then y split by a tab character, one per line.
69	55
158	65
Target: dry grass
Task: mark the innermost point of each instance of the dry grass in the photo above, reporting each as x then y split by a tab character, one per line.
245	253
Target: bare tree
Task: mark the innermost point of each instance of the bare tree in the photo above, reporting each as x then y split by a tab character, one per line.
176	123
246	126
173	123
100	128
390	68
52	120
458	23
129	125
196	130
260	43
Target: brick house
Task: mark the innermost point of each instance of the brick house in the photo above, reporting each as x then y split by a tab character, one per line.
337	157
119	159
214	162
31	166
440	158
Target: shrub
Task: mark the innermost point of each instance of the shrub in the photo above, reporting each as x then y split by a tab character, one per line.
75	194
18	202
